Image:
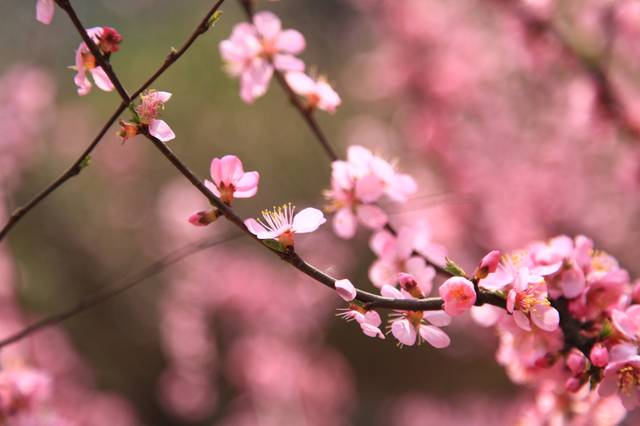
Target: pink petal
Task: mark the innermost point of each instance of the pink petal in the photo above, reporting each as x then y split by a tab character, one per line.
437	318
369	188
401	187
45	10
371	330
258	230
216	171
230	169
345	289
300	83
212	187
329	98
511	300
162	96
404	243
102	80
383	272
371	216
382	243
423	273
161	130
404	332
436	337
254	81
390	291
572	282
499	279
344	223
267	24
486	315
373	318
522	321
546	317
290	41
307	220
288	63
247	186
608	386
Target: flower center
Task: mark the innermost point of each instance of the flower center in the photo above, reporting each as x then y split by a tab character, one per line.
628	379
414	317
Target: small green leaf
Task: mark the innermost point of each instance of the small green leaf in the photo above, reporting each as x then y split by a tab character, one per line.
214	18
86	161
606	329
274	245
453	268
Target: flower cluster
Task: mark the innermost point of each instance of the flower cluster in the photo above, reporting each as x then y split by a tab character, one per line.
358	184
255	50
108	41
597	345
145	118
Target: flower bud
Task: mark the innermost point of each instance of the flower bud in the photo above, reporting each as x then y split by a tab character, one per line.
127	130
458	295
573	384
576	362
599	355
204	217
488	264
109	40
345	289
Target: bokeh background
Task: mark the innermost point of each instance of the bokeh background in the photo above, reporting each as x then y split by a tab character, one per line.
497	108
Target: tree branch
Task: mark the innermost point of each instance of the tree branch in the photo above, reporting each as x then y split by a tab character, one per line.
113	290
77	165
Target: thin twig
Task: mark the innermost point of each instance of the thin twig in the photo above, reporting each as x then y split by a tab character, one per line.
309	119
77	165
113	290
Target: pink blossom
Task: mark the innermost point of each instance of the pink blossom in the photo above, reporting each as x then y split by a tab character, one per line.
345	289
85	61
369	320
318	93
458	295
149	109
254	50
531	303
627	322
45	10
397	254
280	223
409	327
230	180
622	375
599	355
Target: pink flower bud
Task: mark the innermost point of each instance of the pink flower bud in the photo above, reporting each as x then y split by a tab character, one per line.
345	289
204	217
110	40
488	264
573	384
599	355
458	295
576	362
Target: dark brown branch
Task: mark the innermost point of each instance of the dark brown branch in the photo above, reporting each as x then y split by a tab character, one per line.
102	61
77	166
113	290
370	299
307	115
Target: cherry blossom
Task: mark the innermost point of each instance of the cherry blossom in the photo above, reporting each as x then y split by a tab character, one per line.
281	223
230	180
107	40
458	295
369	321
253	51
318	93
622	375
151	104
409	327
